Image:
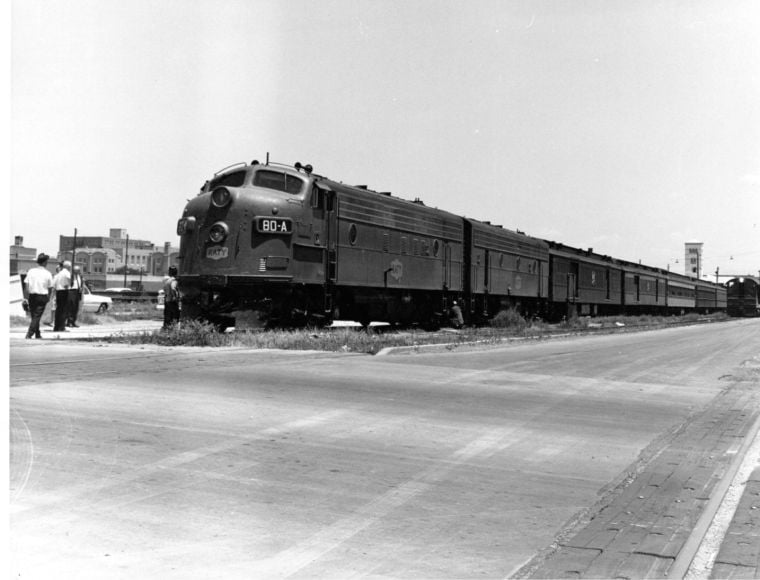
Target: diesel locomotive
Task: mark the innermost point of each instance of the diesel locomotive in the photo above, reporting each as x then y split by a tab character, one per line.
744	296
279	245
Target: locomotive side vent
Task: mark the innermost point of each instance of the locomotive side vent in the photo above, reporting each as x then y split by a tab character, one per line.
273	263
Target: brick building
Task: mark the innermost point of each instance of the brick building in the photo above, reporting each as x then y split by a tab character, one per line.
110	254
21	257
103	258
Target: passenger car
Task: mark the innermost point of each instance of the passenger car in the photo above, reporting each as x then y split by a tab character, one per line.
94	302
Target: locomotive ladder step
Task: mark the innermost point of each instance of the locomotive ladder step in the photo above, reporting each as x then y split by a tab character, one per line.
328	305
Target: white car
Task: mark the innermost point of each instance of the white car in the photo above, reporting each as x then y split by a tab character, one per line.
95	302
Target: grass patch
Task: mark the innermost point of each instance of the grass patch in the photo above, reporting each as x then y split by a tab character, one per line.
643	320
505	325
22	321
196	333
510	318
127	311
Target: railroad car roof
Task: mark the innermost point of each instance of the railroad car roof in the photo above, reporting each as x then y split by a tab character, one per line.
395	213
680	284
500	238
387	211
559	249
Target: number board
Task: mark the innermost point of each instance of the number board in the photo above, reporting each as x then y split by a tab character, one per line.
274	225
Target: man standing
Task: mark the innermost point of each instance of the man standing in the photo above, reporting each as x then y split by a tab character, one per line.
457	320
52	302
62	282
171	298
75	295
39	289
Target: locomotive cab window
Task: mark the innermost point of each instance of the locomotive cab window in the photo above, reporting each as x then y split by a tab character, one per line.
322	198
317	198
234	179
278	181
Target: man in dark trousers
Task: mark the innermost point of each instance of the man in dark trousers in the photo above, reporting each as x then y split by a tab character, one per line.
75	296
171	298
62	282
39	289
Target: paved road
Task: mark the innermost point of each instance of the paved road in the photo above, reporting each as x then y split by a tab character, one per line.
196	463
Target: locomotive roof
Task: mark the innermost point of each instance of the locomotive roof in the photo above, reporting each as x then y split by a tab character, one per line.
560	248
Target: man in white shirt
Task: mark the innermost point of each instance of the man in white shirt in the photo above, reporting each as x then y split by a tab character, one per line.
62	281
39	289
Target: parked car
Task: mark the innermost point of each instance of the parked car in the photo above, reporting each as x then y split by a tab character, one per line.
94	302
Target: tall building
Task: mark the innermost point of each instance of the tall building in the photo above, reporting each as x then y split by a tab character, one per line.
21	257
693	259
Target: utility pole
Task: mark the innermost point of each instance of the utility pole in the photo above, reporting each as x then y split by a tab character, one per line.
74	251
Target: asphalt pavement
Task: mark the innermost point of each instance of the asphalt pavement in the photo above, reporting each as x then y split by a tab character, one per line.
631	535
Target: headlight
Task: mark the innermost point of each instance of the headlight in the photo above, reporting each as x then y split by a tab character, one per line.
185	225
221	197
218	232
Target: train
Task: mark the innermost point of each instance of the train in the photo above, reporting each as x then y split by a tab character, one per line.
279	245
743	296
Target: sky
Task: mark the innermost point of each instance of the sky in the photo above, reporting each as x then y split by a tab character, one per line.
627	127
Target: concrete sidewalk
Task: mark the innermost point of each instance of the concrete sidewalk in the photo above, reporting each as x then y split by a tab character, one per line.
86	331
739	555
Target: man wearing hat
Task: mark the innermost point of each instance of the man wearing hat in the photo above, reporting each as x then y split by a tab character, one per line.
75	296
39	289
62	282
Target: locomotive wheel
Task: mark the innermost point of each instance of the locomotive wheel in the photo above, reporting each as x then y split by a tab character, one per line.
190	311
433	323
222	323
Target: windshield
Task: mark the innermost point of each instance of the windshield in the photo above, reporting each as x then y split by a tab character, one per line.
278	180
234	179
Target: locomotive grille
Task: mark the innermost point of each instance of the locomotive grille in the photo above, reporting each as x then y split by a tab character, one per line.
273	263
